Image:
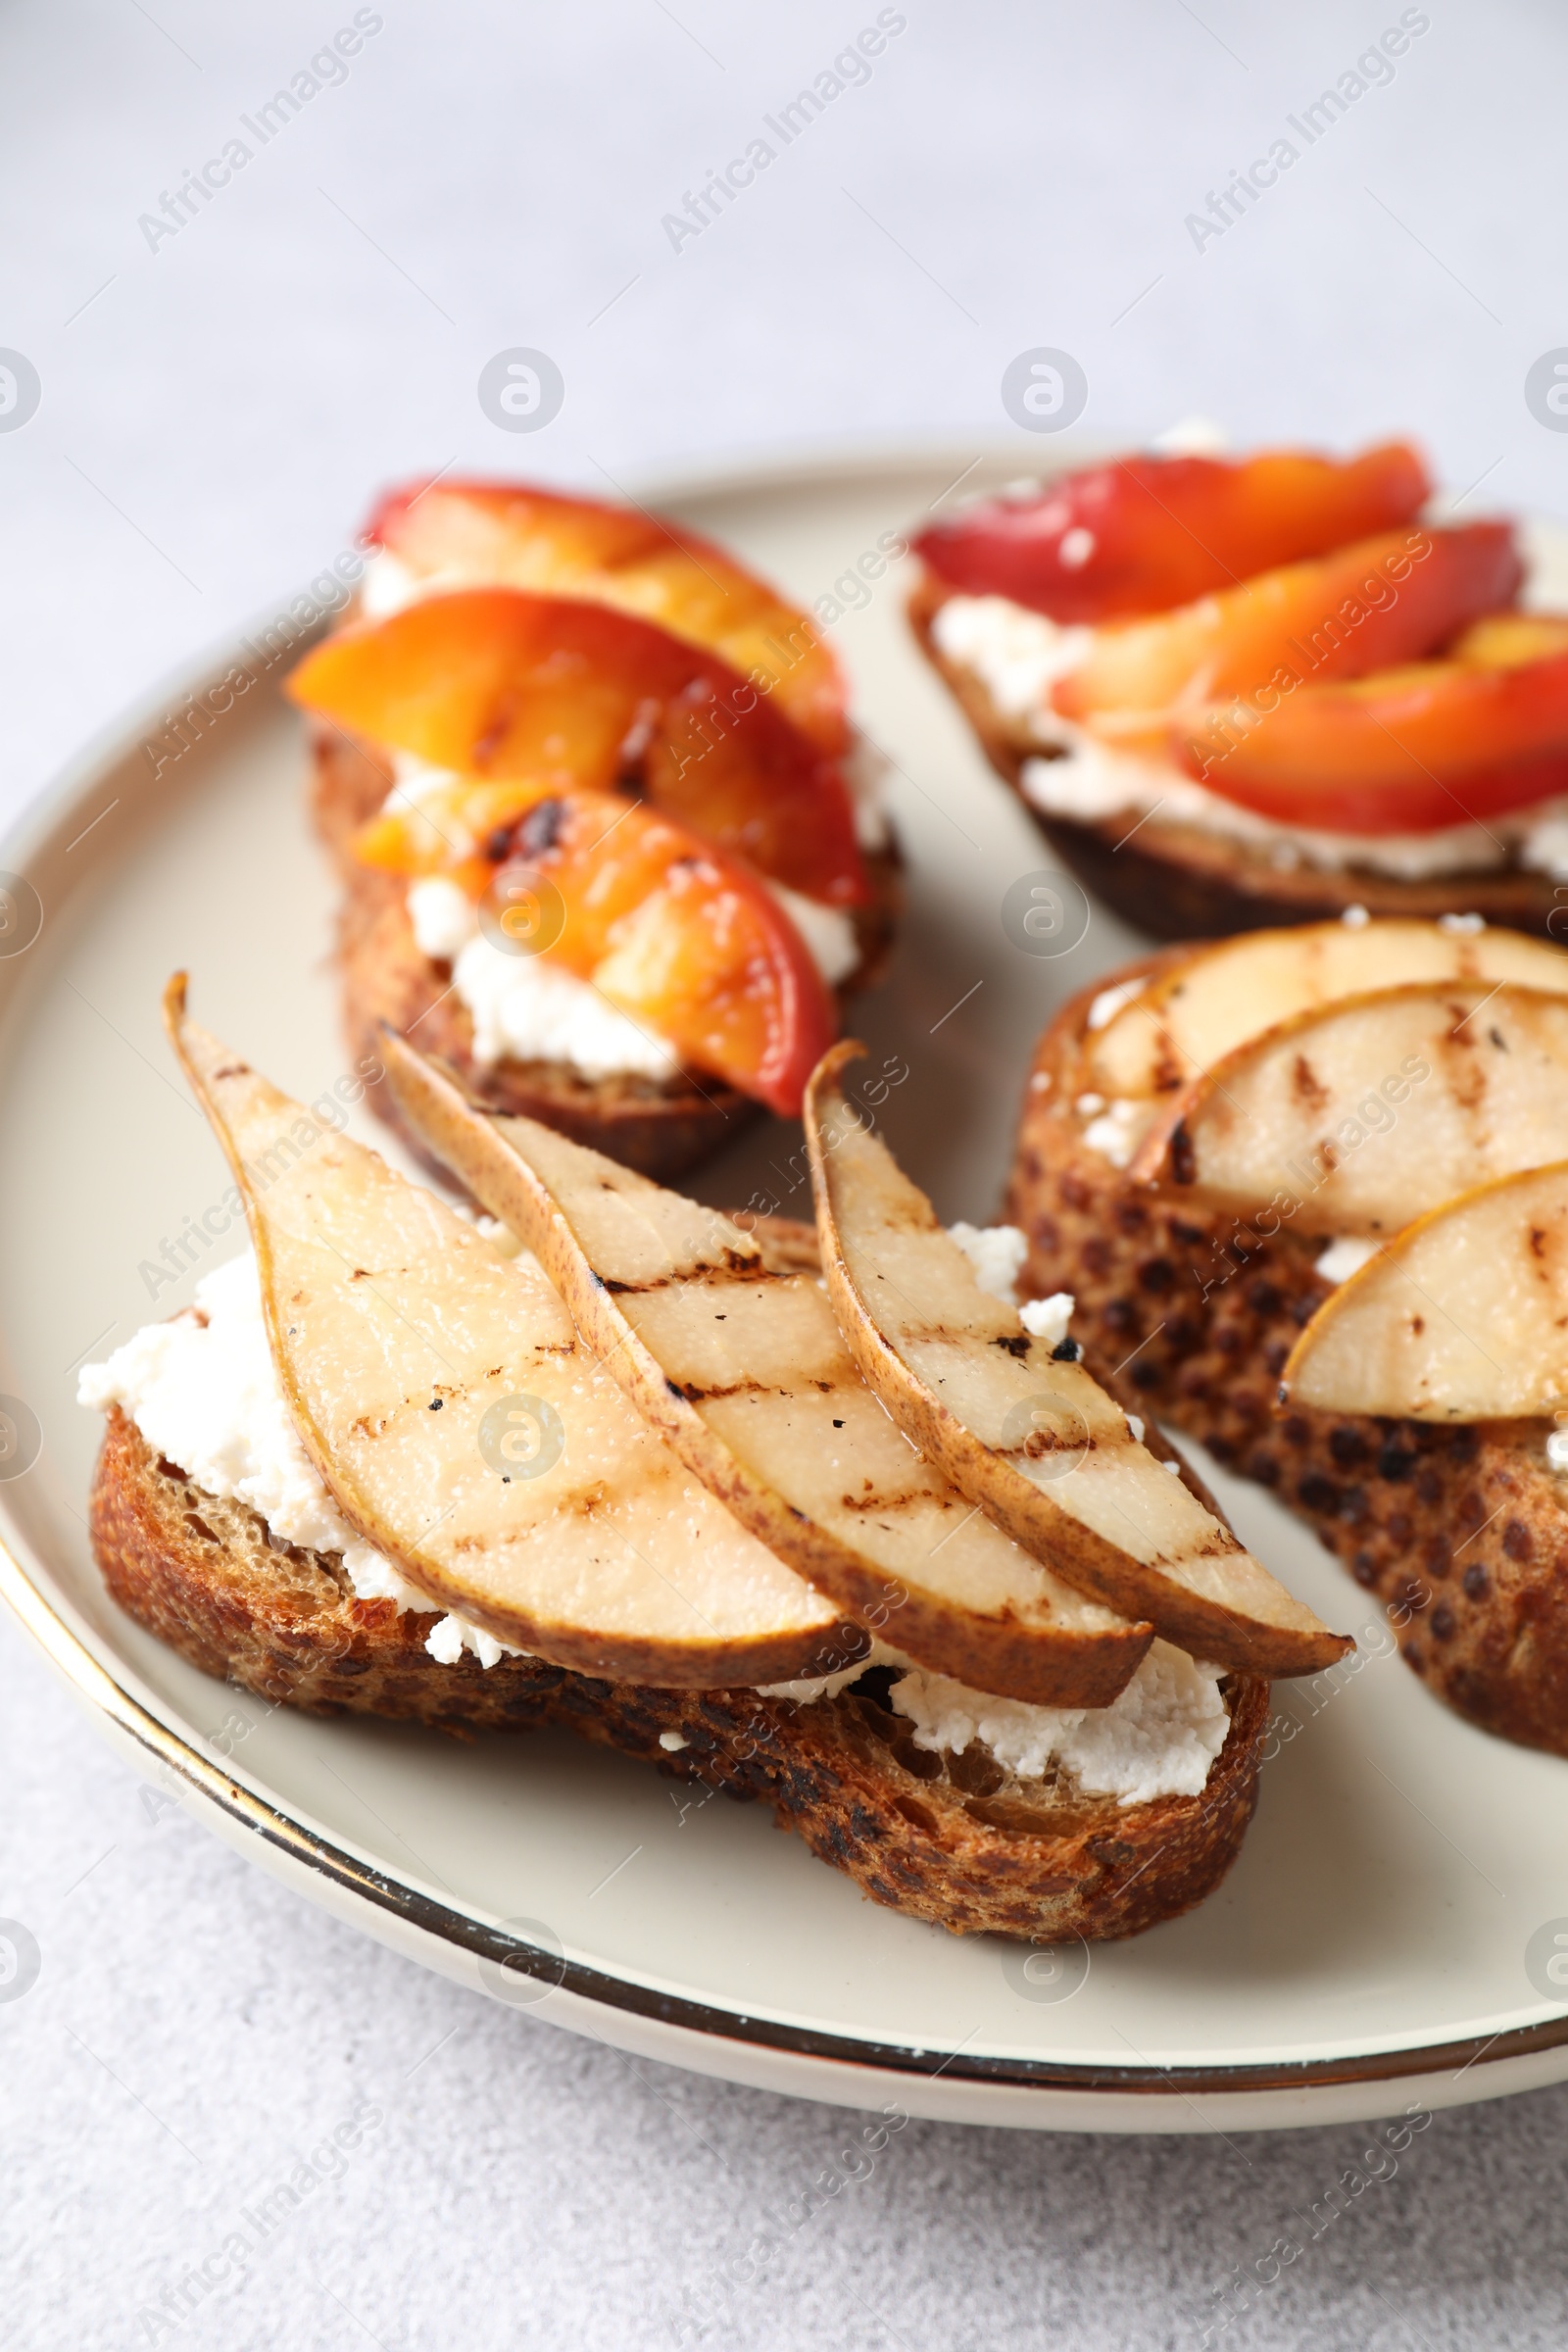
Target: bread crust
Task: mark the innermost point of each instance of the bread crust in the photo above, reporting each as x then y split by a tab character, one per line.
1177	881
1460	1533
949	1841
660	1127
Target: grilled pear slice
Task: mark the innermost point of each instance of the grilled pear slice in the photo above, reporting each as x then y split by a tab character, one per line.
1358	1117
1462	1317
442	1393
1154	1031
1035	1442
743	1372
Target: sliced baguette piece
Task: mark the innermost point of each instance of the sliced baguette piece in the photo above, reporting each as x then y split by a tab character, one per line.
950	1839
1464	1316
744	1373
659	1126
1460	1534
1185	881
397	1329
1035	1442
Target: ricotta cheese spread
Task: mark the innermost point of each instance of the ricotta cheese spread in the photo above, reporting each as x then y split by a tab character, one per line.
1159	1738
1018	656
206	1394
526	1009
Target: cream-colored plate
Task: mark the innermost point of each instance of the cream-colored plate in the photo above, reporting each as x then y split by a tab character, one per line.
1369	1950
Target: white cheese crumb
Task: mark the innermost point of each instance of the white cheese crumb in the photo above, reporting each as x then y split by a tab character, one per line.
997	1253
1356	918
1464	925
1174	1468
206	1394
1089	1106
1158	1738
1109	1001
1557	1449
1137	1427
673	1742
1048	1318
1347	1256
1115	1134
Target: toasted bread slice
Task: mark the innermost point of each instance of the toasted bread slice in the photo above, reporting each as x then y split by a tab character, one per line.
951	1839
660	1127
1181	881
1461	1532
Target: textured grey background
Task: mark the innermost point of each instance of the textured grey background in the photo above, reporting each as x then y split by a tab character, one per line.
213	413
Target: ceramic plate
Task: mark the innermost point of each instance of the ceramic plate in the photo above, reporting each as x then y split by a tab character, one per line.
1380	1944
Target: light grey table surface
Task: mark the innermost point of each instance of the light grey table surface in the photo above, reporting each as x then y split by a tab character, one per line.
215	404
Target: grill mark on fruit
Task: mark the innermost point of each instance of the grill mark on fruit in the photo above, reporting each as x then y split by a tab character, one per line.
865	1504
1305	1084
705	1275
1182	1158
695	1392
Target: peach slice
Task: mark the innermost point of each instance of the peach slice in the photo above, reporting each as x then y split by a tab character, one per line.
1151	532
468	534
1383	601
1407	750
504	686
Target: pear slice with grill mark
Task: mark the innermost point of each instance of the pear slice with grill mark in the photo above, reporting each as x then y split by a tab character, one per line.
1160	1028
1462	1317
397	1332
1036	1442
1360	1116
742	1371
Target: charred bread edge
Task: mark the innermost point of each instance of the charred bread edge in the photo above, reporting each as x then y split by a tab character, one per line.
1182	882
1461	1535
660	1130
841	1773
